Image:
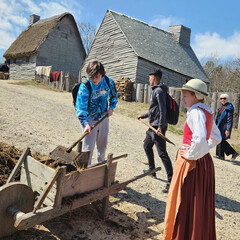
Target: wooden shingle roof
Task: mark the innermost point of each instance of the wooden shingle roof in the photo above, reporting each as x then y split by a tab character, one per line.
160	47
33	36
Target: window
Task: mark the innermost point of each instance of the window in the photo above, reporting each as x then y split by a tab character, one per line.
27	59
64	35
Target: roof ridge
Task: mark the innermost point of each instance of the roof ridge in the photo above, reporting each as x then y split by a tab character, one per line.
109	10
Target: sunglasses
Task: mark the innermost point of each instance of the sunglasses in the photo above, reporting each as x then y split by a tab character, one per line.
223	98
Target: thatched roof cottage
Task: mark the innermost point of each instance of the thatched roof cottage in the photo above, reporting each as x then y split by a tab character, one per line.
53	41
131	48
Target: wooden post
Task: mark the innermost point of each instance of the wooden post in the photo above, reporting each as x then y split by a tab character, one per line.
107	183
236	105
149	93
214	104
60	186
145	95
134	92
139	92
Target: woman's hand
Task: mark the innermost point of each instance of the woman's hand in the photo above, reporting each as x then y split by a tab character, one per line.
184	152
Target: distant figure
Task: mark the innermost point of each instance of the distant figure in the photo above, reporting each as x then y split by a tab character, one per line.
157	119
224	121
4	67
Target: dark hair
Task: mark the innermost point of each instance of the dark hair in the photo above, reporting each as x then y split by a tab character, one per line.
94	68
157	74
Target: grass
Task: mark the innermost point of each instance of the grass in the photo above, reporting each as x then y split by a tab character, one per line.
36	84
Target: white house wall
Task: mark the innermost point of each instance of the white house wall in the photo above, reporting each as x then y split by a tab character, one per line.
21	68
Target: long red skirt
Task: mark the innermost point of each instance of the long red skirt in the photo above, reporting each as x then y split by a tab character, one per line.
190	210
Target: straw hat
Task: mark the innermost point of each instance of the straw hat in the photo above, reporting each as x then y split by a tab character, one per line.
198	87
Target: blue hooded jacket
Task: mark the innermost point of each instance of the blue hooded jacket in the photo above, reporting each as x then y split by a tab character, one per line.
226	120
101	97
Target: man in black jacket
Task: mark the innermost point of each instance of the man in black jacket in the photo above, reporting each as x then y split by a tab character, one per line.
157	119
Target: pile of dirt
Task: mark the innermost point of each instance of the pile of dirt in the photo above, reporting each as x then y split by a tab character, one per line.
9	156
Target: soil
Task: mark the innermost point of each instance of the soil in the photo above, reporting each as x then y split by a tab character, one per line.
42	120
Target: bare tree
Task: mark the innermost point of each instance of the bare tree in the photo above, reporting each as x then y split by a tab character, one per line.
88	32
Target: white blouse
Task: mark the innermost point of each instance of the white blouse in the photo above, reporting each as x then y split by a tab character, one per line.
196	121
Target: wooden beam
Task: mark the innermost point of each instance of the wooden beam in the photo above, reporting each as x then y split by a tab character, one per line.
47	189
107	184
18	165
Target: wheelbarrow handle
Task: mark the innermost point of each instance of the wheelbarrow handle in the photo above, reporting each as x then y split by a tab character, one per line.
69	149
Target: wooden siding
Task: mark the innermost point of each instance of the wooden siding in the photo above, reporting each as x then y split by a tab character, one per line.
170	78
112	49
62	49
22	69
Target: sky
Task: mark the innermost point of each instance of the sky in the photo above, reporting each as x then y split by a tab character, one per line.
215	24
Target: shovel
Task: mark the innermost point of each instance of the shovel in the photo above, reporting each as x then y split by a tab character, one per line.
159	134
80	159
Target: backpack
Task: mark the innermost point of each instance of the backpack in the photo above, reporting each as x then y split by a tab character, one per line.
88	85
172	113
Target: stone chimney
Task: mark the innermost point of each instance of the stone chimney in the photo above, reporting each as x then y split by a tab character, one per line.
33	18
181	33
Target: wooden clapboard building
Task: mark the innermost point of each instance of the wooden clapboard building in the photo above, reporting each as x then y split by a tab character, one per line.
53	41
131	48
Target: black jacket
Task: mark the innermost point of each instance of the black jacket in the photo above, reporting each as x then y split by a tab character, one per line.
157	108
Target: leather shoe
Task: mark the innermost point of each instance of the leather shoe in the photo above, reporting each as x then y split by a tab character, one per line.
234	156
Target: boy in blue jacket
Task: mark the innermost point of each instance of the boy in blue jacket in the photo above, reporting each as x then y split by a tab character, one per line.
90	109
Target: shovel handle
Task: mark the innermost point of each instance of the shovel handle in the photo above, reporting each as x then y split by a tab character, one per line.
69	149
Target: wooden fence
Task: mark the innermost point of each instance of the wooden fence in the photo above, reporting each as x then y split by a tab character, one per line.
142	92
65	82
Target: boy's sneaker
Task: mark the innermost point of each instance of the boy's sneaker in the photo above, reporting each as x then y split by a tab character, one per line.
234	156
166	189
153	175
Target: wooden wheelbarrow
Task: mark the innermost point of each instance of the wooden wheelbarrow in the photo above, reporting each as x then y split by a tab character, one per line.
44	193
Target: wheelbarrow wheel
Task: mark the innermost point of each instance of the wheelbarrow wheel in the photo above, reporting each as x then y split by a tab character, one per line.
13	195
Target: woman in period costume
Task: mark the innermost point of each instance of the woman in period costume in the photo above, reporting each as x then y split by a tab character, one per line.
190	210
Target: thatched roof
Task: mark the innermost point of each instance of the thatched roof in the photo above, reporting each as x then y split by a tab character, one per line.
33	36
160	47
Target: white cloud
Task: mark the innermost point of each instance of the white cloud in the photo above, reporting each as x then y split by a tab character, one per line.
208	44
164	22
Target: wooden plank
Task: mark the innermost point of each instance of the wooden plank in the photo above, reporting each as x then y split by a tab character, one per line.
47	189
18	165
60	186
86	180
107	183
37	175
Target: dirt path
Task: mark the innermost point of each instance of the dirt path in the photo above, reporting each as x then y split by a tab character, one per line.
42	119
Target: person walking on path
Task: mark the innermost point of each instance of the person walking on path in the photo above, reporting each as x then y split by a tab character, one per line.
190	209
224	121
157	119
90	109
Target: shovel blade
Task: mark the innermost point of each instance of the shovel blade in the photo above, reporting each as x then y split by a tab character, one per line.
60	154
